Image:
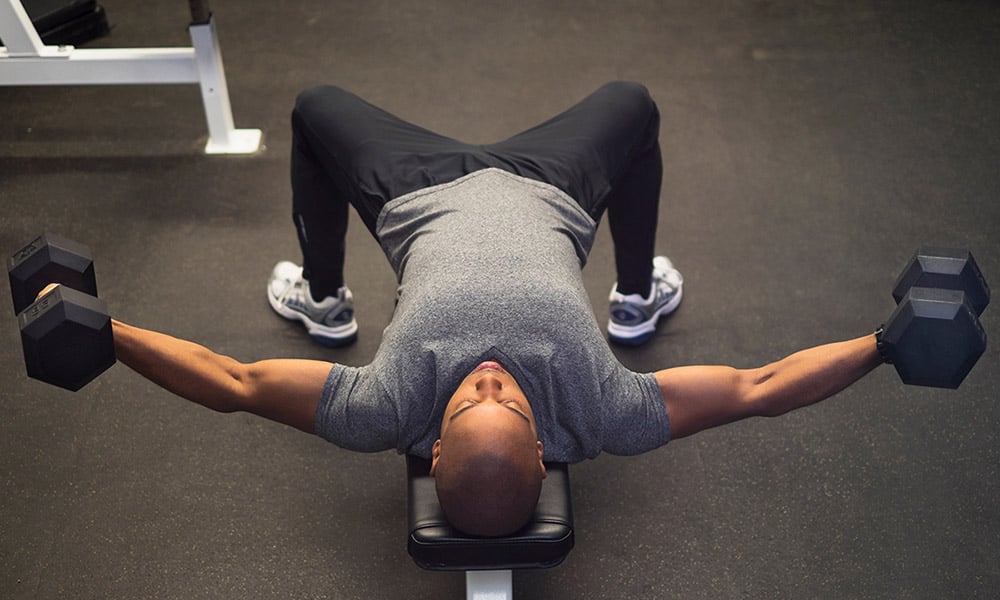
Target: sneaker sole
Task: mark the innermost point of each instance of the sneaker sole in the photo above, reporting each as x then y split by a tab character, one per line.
332	337
637	334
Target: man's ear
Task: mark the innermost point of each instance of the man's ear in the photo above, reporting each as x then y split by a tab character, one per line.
541	457
435	455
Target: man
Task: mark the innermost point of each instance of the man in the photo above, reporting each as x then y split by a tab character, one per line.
493	359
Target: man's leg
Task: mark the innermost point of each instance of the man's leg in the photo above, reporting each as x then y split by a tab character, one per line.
346	151
319	211
603	152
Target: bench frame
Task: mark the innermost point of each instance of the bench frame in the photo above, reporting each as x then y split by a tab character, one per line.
26	60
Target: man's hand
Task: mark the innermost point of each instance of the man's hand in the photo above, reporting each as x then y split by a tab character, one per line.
46	290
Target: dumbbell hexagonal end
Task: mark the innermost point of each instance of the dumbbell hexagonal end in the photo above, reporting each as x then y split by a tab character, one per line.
49	258
948	268
934	337
67	338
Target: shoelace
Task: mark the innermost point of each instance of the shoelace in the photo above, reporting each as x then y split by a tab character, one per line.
667	278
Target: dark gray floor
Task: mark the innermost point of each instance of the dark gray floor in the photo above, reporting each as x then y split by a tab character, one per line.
810	147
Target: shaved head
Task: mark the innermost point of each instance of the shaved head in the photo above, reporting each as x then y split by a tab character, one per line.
487	465
488	478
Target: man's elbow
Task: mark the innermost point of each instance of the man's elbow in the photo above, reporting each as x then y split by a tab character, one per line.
758	394
238	390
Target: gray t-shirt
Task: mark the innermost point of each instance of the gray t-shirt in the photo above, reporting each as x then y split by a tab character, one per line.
489	268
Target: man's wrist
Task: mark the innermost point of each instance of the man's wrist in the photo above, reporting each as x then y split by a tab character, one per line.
884	350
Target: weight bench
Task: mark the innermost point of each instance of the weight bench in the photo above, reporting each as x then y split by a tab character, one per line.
488	562
26	60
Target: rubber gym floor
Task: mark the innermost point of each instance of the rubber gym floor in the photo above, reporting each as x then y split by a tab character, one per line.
809	149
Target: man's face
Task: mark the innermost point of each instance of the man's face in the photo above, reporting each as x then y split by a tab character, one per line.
489	389
489	400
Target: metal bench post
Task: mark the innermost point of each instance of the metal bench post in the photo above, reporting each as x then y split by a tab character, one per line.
489	585
26	60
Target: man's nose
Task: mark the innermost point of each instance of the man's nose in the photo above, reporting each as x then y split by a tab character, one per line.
488	384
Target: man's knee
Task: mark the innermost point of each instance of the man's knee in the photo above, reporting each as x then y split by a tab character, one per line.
324	100
632	96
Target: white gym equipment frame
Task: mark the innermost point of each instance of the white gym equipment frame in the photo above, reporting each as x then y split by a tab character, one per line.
25	60
489	585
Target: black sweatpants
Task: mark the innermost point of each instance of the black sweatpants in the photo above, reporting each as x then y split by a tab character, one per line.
603	152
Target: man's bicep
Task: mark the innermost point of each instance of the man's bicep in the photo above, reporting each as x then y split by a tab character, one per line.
287	390
699	398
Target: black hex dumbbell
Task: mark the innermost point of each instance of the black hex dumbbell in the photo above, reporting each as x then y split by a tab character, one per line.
945	268
49	258
66	334
934	336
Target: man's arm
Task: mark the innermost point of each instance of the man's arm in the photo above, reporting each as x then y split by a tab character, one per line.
286	391
699	398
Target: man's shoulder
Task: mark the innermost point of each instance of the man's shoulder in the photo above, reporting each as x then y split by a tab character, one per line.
355	412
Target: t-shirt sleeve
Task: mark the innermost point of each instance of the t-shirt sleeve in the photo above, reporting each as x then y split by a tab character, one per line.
635	416
355	413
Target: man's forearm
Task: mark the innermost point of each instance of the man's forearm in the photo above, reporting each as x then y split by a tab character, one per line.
811	375
284	390
184	368
702	397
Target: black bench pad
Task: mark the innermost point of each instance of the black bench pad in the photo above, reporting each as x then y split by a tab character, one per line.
544	542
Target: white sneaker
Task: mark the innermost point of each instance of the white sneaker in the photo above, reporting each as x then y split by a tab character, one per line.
634	317
330	322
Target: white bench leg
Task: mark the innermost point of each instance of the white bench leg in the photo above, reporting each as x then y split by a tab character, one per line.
223	137
25	60
489	585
